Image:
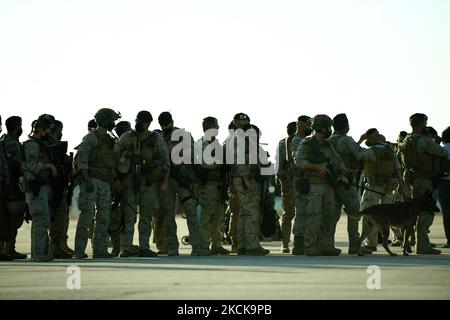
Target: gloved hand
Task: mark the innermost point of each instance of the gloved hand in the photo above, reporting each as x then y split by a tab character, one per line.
89	186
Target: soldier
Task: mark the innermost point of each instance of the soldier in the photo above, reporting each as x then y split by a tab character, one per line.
303	130
244	142
148	164
59	205
38	171
444	190
180	182
210	171
421	158
352	155
323	169
96	162
92	125
116	222
285	178
12	195
378	171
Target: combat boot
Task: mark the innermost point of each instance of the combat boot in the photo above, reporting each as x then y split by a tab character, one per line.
10	250
126	254
312	252
260	251
80	256
173	252
354	250
41	258
331	251
115	240
147	253
200	252
4	257
57	251
299	247
102	255
66	247
428	251
285	250
219	251
373	249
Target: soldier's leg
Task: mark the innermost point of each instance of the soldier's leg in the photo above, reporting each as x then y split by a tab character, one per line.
313	221
100	240
326	238
217	226
16	211
207	202
159	234
189	203
40	212
116	226
234	208
86	204
168	199
299	224
58	231
129	208
288	204
370	199
149	205
420	187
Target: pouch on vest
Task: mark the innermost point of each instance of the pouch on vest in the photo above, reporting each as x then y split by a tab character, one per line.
302	185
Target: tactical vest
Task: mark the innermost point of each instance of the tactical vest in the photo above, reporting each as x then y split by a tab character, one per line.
349	161
43	175
380	171
147	148
102	156
415	161
13	168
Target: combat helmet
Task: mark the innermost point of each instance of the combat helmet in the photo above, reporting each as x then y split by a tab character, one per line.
321	121
104	116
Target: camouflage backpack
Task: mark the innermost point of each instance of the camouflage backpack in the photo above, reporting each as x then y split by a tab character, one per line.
408	151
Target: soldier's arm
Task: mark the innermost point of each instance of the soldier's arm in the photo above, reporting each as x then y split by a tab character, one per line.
302	162
432	148
280	159
349	146
33	162
123	143
89	141
164	153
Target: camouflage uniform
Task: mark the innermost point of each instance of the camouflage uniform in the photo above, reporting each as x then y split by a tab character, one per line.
427	165
15	199
352	155
321	198
95	154
249	197
36	171
285	176
300	200
211	198
181	184
379	174
153	150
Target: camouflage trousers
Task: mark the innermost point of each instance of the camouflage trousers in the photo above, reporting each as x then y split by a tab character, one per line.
347	197
60	222
212	216
320	210
40	225
168	205
370	199
288	205
159	233
148	202
15	214
420	186
234	215
300	218
94	205
249	214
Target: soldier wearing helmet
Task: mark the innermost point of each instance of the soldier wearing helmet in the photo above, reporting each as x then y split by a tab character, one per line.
96	161
322	169
148	160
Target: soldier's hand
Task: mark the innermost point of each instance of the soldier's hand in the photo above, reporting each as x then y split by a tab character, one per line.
53	169
322	169
362	138
343	179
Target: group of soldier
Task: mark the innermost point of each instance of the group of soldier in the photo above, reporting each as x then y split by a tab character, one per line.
133	173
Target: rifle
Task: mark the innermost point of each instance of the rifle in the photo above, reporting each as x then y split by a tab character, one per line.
136	170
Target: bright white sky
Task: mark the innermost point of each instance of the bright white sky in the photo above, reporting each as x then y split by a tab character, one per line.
378	61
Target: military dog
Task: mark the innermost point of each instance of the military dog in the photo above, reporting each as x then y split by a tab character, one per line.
401	215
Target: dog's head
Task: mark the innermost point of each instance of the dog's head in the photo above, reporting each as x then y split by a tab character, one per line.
427	202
